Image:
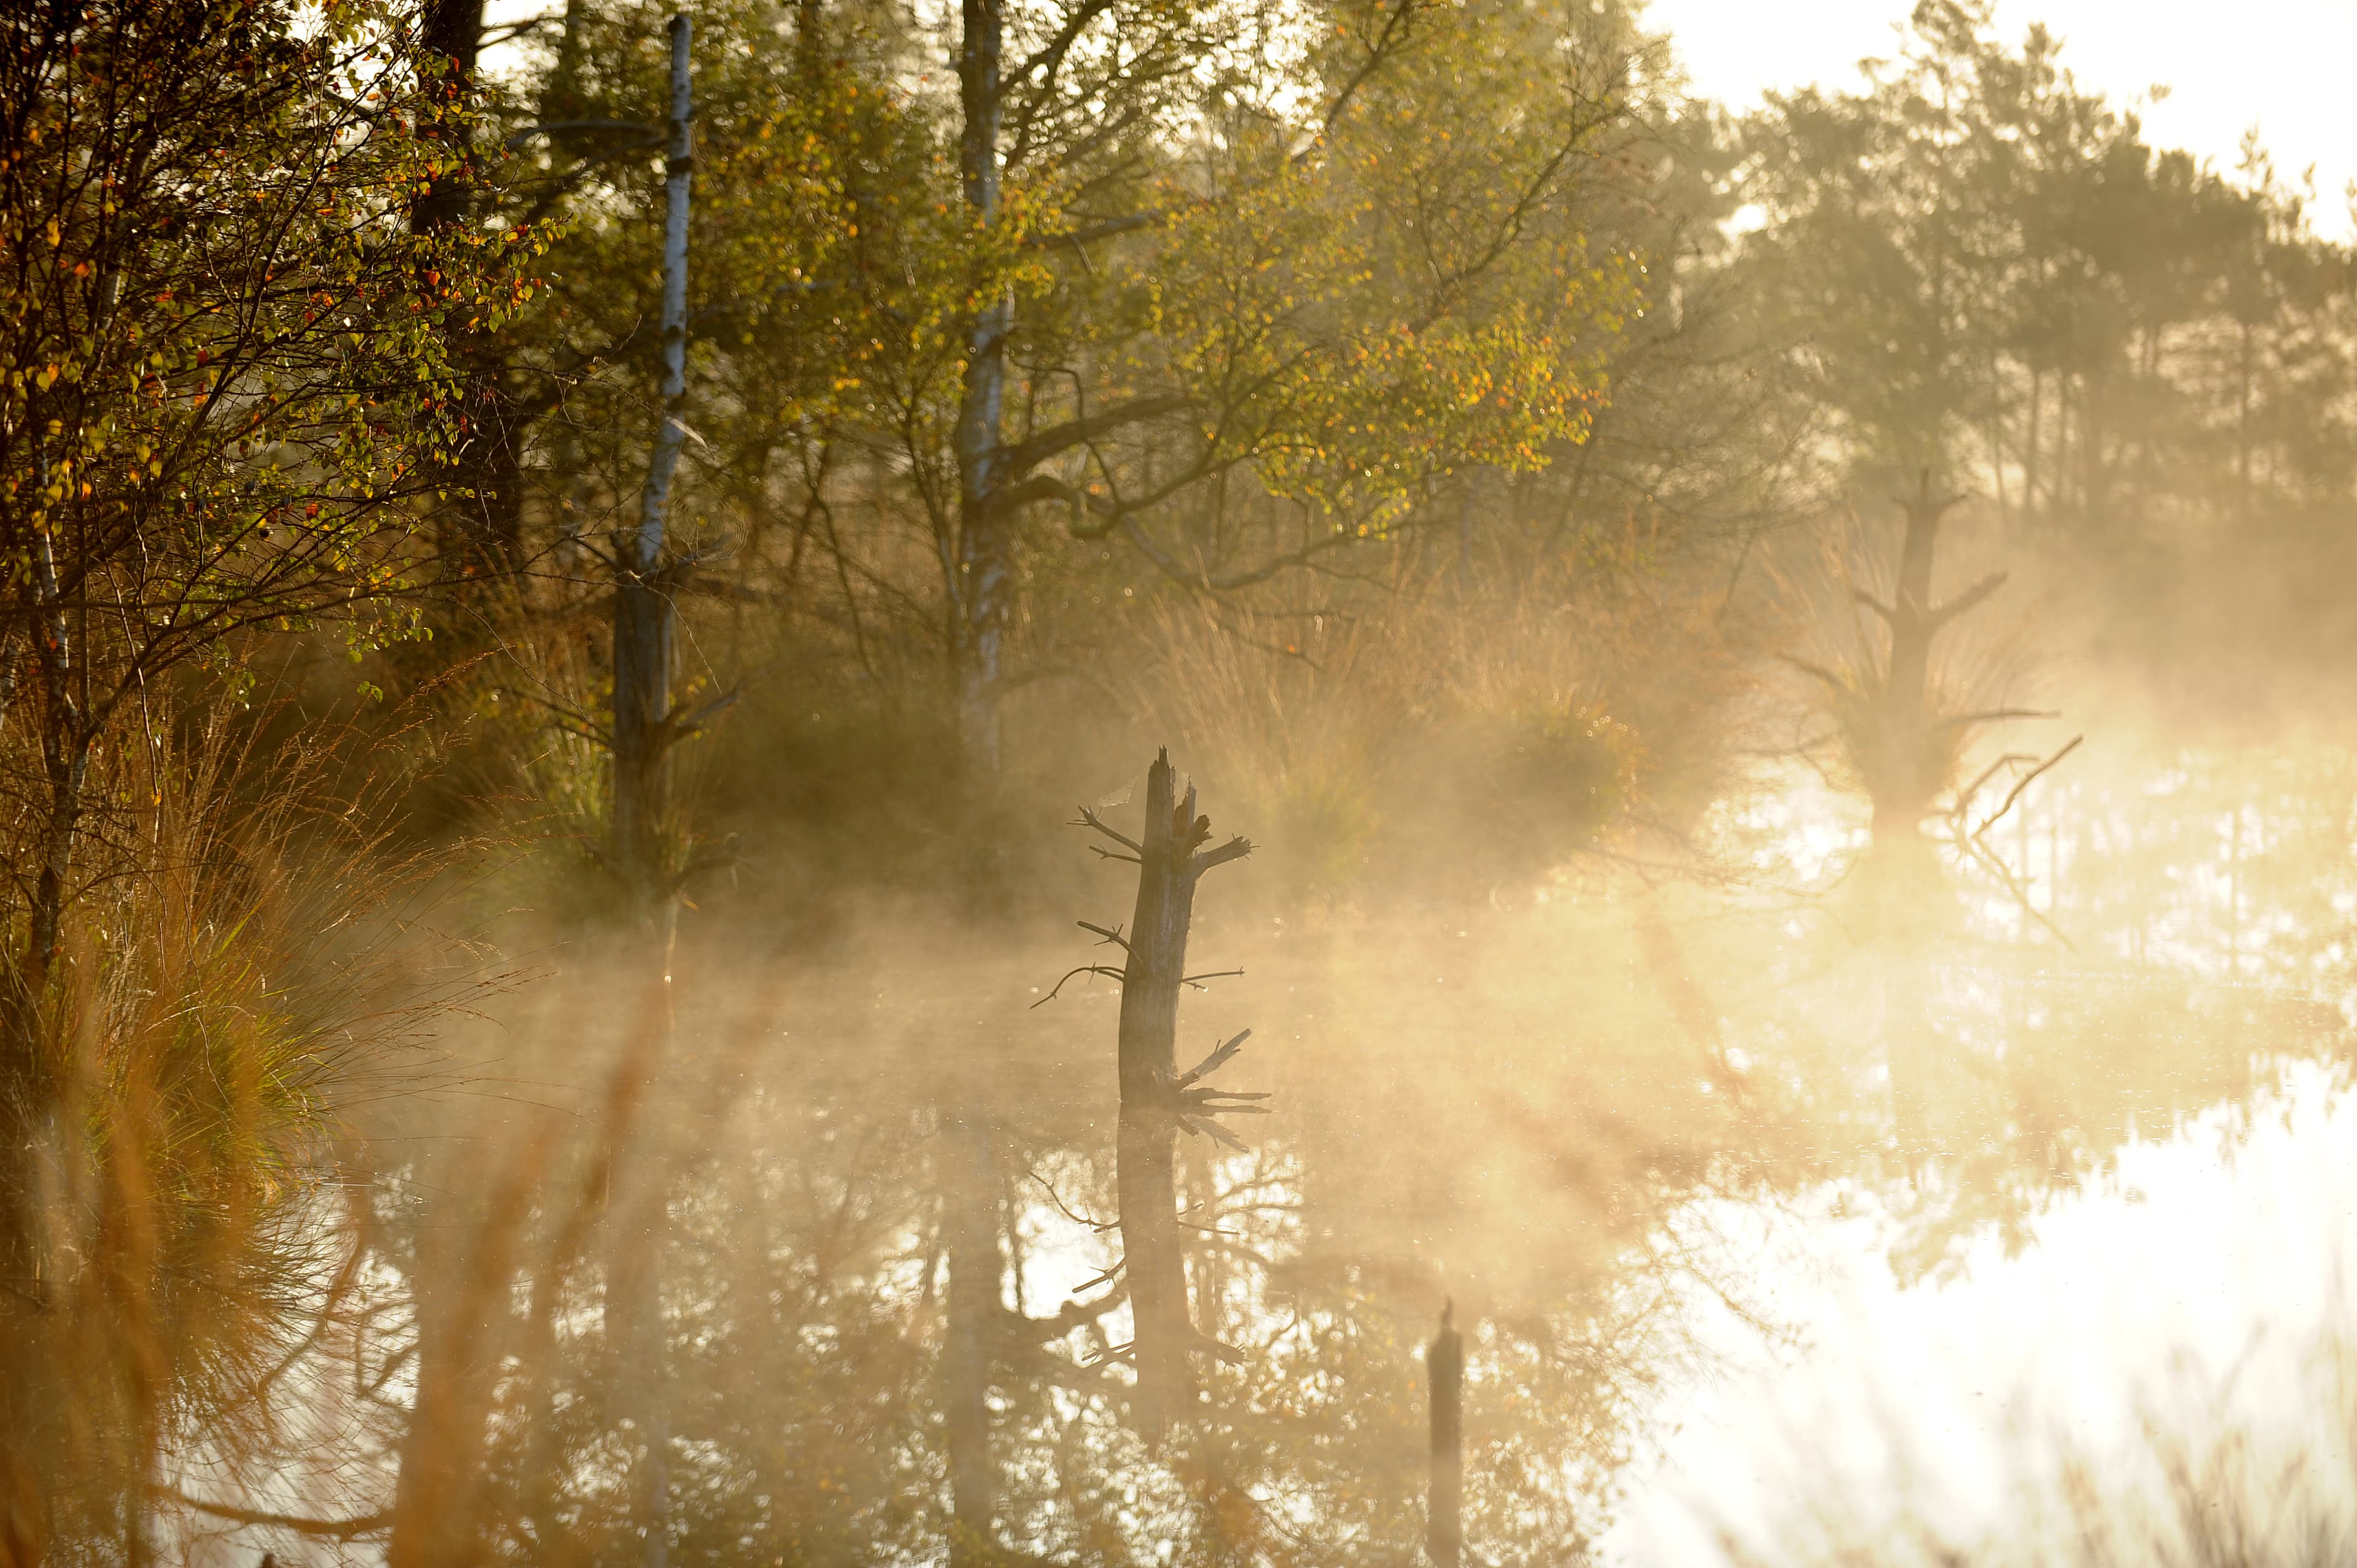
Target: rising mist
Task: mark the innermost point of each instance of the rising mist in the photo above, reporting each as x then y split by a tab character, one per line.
1116	783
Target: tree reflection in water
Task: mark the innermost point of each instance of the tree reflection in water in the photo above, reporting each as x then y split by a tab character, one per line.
893	1307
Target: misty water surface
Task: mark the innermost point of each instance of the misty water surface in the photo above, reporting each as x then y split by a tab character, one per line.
1633	1120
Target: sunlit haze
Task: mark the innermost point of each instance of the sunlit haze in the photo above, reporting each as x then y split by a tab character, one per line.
2283	66
1177	784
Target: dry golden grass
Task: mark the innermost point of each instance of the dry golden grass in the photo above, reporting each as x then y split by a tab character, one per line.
250	959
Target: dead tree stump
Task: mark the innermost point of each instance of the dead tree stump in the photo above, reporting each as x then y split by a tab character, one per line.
1157	1101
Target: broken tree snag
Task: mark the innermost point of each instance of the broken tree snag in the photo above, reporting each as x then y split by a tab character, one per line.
1444	1362
1155	1102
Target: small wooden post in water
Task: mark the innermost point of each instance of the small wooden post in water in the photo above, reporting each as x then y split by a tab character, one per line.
1444	1361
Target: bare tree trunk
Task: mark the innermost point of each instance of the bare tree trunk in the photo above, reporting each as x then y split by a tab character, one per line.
438	1449
969	1235
982	589
1903	877
488	469
495	526
1207	1272
1997	436
1444	1361
561	99
642	607
2061	461
644	733
1903	792
2100	443
2029	445
1147	1175
450	34
2243	427
1170	862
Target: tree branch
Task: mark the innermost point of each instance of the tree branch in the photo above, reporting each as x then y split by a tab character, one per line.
1993	716
1967	599
327	1529
1105	970
1377	53
643	136
1029	453
1889	615
1103	229
1212	1063
2027	780
1235	849
1088	819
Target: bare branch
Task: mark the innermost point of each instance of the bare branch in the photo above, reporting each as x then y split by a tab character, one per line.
1193	1125
1219	1058
2027	780
1965	796
1923	498
1049	58
1098	1226
1045	487
1378	52
1226	1353
1026	454
1235	849
1112	936
327	1529
1088	819
1809	667
1103	230
1994	715
1095	1280
1105	970
641	135
1968	598
683	725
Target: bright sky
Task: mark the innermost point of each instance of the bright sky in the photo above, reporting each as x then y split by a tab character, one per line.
2284	65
